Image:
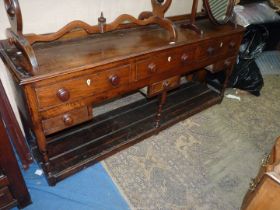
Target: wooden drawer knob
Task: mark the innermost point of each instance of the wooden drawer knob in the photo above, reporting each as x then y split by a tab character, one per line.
227	63
63	94
184	58
68	120
115	80
211	51
166	84
152	67
232	45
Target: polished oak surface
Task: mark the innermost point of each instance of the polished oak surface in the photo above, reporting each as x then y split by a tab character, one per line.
95	50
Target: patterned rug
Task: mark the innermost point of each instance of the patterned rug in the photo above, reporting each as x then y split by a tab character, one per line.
204	162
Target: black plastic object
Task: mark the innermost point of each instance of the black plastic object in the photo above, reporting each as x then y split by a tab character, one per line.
254	42
246	74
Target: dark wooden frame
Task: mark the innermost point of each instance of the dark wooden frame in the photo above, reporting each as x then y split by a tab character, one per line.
13	129
228	13
191	24
8	163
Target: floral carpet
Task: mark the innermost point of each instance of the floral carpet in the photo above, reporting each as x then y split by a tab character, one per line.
204	162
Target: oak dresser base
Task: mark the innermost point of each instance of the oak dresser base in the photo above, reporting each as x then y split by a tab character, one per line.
77	148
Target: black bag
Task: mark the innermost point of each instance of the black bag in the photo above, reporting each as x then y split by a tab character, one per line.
246	74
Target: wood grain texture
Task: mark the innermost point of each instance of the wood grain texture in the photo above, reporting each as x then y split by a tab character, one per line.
14	130
264	189
267	196
26	49
66	120
14	14
120	128
77	24
83	86
168	84
112	47
24	43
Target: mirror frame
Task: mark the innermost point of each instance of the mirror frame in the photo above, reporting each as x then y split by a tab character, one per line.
191	24
229	11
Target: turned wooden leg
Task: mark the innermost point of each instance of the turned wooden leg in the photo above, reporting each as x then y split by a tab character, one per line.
41	141
229	67
162	101
39	133
43	150
160	107
42	146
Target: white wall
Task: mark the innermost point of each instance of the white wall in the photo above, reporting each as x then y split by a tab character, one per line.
41	16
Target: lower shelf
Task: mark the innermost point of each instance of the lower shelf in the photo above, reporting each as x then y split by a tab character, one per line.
10	205
77	148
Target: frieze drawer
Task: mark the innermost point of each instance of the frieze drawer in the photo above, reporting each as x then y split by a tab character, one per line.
80	87
224	47
158	87
221	65
66	120
165	61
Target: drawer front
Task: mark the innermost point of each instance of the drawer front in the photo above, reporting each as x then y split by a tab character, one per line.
225	47
5	197
167	84
162	62
232	45
221	65
83	86
66	120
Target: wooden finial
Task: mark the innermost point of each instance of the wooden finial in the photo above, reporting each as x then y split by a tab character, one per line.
102	23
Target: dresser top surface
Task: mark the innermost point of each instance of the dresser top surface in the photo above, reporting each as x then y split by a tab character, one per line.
66	56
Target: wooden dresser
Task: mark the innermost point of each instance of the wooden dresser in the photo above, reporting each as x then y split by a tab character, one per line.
75	73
